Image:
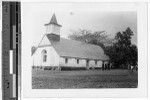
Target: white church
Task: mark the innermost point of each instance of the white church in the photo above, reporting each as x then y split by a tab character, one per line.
56	52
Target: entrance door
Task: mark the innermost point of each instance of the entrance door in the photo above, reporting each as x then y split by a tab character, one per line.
87	63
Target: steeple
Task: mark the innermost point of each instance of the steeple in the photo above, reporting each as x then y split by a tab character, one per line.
53	21
53	27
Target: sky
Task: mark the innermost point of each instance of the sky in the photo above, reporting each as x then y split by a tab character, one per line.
111	18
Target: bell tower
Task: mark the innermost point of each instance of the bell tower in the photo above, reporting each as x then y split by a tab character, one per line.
53	28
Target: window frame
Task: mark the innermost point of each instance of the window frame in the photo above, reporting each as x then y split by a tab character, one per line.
78	61
95	62
87	62
44	55
66	60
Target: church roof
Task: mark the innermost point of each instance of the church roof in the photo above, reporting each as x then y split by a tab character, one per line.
53	21
77	49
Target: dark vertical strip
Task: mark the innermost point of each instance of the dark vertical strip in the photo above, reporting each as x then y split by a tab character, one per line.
5	50
12	22
17	16
11	30
17	71
17	47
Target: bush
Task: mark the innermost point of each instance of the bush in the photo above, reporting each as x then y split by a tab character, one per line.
72	68
47	68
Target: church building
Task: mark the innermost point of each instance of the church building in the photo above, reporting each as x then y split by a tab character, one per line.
55	52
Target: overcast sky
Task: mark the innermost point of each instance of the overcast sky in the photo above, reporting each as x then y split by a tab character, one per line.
111	18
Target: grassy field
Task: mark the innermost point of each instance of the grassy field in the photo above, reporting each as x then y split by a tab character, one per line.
84	79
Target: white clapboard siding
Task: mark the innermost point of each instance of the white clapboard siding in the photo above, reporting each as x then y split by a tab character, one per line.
52	57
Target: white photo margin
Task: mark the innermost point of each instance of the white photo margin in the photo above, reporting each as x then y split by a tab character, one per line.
142	37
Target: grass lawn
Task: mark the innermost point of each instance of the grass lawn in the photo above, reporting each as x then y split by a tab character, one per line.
84	79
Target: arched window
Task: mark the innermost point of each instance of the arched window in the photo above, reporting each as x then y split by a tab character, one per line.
44	55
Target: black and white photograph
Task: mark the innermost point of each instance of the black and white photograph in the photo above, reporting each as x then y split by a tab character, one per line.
74	49
81	46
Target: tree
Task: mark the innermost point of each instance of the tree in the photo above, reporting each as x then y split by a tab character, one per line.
122	53
97	38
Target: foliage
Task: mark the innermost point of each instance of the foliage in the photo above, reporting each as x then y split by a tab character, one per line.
121	51
97	38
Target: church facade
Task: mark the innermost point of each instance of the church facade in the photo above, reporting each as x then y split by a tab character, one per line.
56	52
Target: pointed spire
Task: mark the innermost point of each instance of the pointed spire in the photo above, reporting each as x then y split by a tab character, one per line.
53	21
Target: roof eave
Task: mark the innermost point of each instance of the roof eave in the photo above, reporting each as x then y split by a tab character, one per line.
53	23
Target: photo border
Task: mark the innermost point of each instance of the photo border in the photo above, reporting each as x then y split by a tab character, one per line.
141	91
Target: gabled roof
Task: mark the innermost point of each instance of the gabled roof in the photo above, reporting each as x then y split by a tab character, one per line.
77	49
53	21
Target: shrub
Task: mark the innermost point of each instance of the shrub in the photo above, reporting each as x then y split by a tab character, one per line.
47	68
72	68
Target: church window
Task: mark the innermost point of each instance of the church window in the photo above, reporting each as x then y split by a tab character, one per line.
87	62
44	55
95	62
66	60
77	61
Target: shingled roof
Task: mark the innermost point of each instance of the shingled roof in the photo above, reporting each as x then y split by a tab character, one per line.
77	49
